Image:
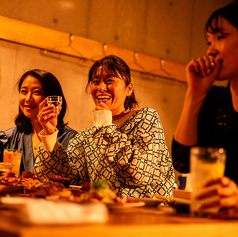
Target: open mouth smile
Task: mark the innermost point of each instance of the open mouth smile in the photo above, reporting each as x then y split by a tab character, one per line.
29	106
101	98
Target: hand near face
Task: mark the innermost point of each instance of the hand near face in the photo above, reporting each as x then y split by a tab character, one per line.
202	72
226	192
101	106
47	117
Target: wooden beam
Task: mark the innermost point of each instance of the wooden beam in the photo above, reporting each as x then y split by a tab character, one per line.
72	45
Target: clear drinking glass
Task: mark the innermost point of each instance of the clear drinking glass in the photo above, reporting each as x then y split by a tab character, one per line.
13	156
206	164
56	101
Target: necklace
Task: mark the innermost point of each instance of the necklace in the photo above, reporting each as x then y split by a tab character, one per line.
116	117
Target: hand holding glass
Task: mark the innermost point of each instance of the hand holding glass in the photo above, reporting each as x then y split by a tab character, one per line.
206	164
56	101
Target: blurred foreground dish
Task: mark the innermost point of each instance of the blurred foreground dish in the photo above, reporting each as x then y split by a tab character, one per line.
29	185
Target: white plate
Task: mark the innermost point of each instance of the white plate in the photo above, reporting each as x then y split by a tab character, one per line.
117	206
152	202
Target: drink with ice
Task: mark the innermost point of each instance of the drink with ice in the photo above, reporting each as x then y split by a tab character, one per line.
206	164
13	156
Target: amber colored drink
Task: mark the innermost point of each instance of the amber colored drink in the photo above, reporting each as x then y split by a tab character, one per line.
13	156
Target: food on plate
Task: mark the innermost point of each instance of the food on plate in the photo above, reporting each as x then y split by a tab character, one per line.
4	167
97	192
60	179
56	188
31	185
9	178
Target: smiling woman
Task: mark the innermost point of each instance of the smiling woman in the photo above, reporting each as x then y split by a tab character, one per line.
111	87
34	86
210	113
124	146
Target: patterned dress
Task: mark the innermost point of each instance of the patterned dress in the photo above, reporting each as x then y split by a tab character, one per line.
133	157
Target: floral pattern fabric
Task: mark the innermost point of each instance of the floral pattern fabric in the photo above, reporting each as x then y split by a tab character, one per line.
133	157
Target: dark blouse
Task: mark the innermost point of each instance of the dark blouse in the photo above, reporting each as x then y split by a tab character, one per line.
218	127
12	138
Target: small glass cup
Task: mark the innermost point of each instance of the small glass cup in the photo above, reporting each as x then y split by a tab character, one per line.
206	164
56	100
13	156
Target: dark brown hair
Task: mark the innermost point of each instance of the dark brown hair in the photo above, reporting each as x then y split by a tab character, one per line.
228	12
50	86
117	67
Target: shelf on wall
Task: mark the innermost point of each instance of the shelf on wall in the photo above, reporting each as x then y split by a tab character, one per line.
50	40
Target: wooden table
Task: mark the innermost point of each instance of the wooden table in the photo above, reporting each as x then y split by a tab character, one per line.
138	222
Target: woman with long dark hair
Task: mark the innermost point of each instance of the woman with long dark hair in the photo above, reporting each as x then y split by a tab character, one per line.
34	86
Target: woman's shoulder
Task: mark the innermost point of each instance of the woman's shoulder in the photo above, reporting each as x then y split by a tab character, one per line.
147	111
10	131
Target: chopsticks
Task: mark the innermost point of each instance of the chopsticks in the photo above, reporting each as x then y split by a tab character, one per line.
169	199
75	186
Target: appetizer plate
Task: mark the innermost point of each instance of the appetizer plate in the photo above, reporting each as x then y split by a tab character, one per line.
4	189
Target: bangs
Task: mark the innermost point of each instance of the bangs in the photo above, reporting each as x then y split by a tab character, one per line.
109	68
212	26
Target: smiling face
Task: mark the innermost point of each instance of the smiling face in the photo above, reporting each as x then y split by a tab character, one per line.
30	96
110	89
224	44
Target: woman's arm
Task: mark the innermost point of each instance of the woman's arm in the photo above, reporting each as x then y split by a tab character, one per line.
135	158
53	159
201	74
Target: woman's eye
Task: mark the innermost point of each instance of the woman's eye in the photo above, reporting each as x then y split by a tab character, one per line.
38	92
209	43
95	82
23	91
221	37
109	81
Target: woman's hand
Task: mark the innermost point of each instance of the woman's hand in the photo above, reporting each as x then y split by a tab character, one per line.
226	192
202	72
101	106
47	117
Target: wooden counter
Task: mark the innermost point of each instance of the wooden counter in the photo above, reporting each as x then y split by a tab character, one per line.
143	221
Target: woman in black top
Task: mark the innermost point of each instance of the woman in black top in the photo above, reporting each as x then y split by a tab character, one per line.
210	113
